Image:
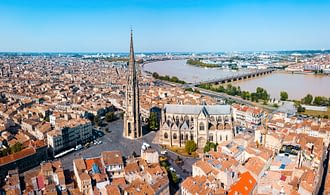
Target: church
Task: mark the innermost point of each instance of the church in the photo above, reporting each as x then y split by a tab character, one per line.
201	123
132	116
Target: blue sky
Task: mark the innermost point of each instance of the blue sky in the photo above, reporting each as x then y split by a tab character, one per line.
163	25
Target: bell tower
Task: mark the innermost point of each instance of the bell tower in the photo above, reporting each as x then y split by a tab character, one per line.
132	121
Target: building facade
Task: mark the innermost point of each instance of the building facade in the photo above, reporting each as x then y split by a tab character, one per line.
69	134
132	121
250	117
201	123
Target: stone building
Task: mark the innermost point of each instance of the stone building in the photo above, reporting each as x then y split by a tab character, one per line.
200	123
68	134
132	118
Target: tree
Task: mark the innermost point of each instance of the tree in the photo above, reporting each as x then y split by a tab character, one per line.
284	96
17	147
153	121
245	95
320	101
190	146
254	97
175	178
210	145
97	120
300	108
110	116
307	99
155	75
174	79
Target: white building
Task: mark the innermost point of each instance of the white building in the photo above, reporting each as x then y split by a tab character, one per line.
69	133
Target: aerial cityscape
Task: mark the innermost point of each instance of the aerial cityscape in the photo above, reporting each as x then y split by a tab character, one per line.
164	97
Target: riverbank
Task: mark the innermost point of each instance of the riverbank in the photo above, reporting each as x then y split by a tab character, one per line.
319	114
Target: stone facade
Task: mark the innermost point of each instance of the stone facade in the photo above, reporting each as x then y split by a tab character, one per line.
200	123
132	121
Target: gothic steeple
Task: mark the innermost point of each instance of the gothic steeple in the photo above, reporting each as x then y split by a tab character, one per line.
131	52
132	123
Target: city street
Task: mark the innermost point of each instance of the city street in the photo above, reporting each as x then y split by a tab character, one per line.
115	141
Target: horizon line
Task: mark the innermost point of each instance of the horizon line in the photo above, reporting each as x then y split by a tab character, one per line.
233	51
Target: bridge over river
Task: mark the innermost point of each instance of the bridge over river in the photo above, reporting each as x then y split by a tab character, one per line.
236	77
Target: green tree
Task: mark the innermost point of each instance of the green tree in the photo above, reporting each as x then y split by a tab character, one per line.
110	116
190	146
97	120
175	177
320	101
246	95
284	96
174	79
155	75
254	97
153	121
300	108
308	99
210	145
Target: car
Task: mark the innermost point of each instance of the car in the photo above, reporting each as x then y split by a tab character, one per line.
79	147
163	152
172	169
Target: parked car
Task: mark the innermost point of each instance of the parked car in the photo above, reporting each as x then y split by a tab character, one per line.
78	147
163	152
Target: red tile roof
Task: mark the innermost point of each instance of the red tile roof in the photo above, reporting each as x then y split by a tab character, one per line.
19	155
244	185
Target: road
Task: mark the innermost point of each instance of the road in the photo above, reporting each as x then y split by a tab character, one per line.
234	98
116	141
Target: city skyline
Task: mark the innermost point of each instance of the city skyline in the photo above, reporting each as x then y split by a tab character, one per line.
167	26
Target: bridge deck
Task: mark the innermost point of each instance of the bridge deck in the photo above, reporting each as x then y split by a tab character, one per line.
237	77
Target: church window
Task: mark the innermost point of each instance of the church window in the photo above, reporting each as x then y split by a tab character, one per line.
129	127
201	126
175	136
165	135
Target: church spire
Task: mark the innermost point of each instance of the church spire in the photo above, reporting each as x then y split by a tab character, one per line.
131	52
132	123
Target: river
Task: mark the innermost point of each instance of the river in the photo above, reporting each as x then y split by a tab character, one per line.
186	72
297	85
